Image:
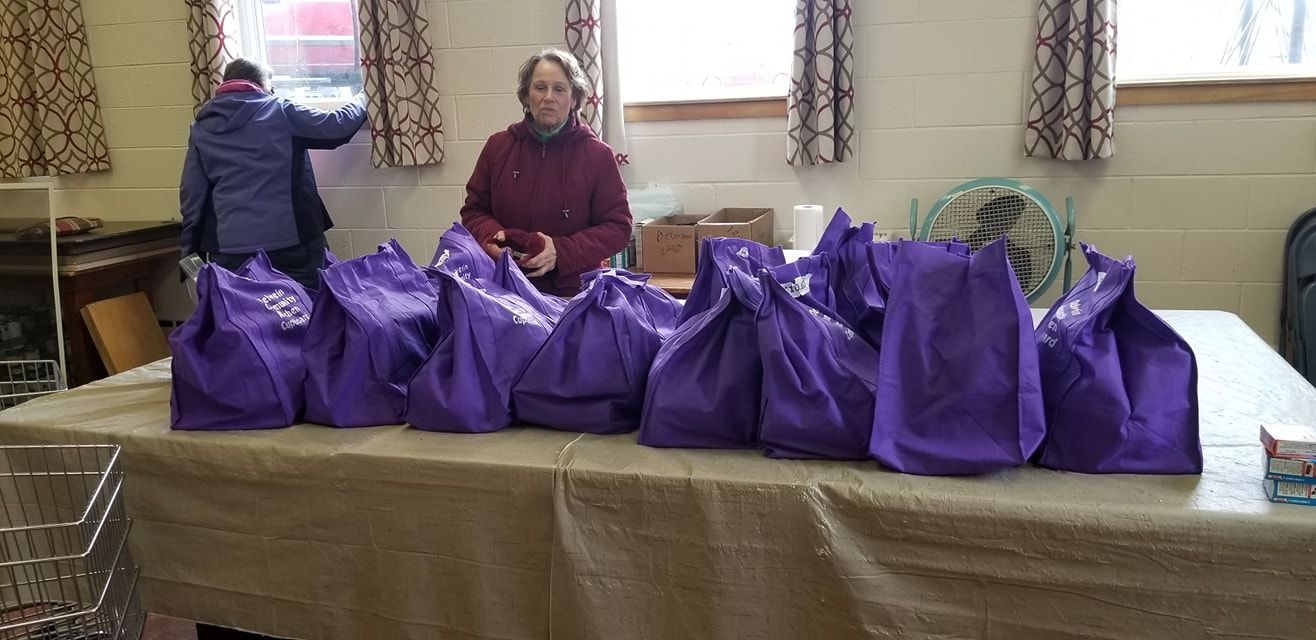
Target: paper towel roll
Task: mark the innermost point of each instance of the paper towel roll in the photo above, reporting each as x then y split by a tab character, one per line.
808	226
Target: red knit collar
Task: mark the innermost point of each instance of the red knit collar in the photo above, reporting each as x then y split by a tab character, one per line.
237	86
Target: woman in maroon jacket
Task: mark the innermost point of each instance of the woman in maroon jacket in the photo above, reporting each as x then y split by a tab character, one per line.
547	187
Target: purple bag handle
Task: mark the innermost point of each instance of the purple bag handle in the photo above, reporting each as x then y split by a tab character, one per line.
835	233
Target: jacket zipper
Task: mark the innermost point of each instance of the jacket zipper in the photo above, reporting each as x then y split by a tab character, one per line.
543	153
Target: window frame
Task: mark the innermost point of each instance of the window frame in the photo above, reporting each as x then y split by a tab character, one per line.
251	38
1215	91
770	107
251	27
1229	85
752	106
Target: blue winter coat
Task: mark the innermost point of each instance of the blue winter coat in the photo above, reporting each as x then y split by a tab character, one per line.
247	181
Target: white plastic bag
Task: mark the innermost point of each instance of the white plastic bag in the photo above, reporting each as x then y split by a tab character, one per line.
652	201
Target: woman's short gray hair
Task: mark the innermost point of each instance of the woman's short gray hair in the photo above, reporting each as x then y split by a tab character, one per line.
575	75
249	70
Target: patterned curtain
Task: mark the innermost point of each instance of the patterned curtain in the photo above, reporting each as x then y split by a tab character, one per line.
397	62
591	37
1072	107
50	123
820	104
210	25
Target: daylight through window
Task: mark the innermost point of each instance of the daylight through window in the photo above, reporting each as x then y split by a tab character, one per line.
688	50
1170	40
311	44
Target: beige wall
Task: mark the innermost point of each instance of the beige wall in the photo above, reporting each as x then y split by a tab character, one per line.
1201	195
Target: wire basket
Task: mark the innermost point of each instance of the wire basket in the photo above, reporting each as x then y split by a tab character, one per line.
66	572
22	380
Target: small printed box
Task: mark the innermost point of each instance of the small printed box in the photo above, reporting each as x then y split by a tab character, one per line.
1290	469
1290	492
1289	440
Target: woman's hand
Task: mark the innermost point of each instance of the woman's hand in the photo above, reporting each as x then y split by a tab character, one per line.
496	251
543	262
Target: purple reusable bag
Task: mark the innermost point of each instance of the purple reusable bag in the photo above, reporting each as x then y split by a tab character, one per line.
465	385
1120	385
852	294
237	360
958	390
862	300
843	245
806	279
705	382
819	381
460	253
261	269
375	321
716	255
837	231
508	276
591	373
859	299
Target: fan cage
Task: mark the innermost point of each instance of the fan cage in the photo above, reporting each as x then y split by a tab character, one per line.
978	215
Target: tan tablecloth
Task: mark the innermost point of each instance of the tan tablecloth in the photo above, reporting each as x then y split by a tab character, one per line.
388	532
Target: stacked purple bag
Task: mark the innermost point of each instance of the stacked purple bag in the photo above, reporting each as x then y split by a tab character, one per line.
806	280
705	383
488	334
855	297
1120	385
237	360
508	276
958	385
460	253
375	321
591	373
840	231
862	298
819	380
768	365
716	257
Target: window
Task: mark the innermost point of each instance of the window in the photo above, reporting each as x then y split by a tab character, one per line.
311	44
694	50
1220	40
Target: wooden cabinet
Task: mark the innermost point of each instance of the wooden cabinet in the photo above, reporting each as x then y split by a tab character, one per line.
121	258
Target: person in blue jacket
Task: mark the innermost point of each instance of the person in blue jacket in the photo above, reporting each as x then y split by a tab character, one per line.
247	181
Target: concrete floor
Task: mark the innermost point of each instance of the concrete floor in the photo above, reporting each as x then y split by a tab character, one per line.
162	628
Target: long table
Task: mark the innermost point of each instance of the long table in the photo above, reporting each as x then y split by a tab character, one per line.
388	532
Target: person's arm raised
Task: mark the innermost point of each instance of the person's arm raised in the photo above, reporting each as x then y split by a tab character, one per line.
320	129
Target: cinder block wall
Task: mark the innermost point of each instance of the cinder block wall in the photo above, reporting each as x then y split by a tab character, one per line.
1199	194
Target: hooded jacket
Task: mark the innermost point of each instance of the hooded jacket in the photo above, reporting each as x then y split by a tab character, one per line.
568	188
247	180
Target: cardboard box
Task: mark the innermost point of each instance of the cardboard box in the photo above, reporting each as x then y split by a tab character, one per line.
1290	469
1289	440
669	244
750	224
1290	492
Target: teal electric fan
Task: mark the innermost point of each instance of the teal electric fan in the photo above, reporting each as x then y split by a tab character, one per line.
981	211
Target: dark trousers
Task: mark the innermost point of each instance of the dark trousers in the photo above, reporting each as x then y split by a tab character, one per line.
301	262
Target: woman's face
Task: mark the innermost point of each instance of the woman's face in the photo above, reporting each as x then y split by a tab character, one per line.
550	95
